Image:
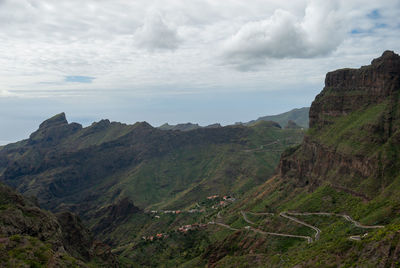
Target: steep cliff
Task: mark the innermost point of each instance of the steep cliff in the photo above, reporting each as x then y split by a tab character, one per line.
347	166
31	237
348	90
354	137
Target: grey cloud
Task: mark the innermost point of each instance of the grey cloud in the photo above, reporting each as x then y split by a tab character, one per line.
156	34
284	35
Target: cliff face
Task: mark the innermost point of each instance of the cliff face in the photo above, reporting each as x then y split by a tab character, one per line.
354	133
43	238
347	90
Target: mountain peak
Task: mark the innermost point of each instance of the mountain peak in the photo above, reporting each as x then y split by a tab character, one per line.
387	56
347	90
54	129
57	120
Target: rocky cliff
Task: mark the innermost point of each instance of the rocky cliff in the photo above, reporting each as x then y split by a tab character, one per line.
354	137
347	90
32	237
347	164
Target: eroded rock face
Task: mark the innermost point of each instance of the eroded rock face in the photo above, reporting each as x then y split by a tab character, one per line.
21	222
112	215
53	130
347	90
317	160
76	238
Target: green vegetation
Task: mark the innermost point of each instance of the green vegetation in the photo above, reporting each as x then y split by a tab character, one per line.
299	116
160	197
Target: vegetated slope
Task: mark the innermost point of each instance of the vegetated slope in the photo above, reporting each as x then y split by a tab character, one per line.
181	127
186	127
31	237
347	165
137	167
298	116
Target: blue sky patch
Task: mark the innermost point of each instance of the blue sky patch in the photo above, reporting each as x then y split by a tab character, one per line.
79	79
356	31
374	14
381	25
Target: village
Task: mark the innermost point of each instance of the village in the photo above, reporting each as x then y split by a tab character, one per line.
220	203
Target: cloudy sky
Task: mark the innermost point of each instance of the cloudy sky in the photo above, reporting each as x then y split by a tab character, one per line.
175	61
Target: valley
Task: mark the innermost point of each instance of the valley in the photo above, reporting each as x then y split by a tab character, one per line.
244	195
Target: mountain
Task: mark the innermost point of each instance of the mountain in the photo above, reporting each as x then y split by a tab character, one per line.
235	196
334	201
298	116
181	127
186	127
112	174
31	237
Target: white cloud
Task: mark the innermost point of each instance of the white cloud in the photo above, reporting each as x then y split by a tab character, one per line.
156	33
293	44
285	35
42	42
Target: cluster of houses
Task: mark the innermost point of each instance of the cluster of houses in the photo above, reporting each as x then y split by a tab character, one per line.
225	198
177	211
222	202
172	211
184	229
155	237
194	226
229	198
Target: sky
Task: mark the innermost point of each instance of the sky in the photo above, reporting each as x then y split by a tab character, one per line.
178	61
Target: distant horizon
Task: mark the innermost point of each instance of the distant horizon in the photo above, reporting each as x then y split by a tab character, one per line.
87	124
179	61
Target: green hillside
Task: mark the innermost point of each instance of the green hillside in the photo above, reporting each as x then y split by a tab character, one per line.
334	201
31	237
111	174
343	181
236	196
298	116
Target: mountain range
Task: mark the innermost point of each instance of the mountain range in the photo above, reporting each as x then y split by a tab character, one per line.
247	195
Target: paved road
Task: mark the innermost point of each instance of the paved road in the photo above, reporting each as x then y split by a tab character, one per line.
245	217
261	213
346	217
223	225
317	230
309	239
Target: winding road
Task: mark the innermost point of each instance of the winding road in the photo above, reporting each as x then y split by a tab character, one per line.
289	216
346	217
309	239
317	230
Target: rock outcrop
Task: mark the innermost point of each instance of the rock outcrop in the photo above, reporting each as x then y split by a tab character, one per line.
343	150
53	130
114	214
348	90
43	238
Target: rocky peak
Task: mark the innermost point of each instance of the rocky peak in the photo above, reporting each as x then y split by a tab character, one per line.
54	129
57	120
144	124
347	90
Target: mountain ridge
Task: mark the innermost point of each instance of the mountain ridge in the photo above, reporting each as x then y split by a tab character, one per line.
347	164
